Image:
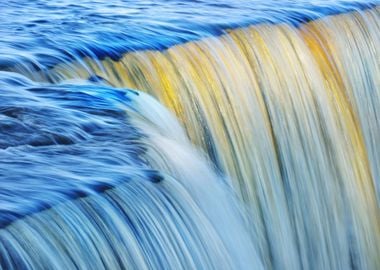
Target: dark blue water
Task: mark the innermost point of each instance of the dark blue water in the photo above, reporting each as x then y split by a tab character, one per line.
63	142
42	33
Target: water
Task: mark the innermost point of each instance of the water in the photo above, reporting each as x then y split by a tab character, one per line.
263	155
87	184
110	28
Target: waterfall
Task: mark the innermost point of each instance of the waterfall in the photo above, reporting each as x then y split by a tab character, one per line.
258	148
153	203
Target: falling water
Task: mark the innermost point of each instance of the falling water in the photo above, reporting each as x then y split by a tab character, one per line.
152	211
267	157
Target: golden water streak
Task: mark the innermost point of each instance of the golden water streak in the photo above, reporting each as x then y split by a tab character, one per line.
279	110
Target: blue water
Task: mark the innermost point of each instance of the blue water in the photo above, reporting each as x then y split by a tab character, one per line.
43	33
54	137
61	142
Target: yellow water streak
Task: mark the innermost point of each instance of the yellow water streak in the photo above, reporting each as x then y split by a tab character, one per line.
280	111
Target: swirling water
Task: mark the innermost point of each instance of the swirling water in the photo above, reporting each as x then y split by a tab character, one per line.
263	155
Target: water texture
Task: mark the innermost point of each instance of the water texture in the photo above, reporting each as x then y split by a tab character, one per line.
190	135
